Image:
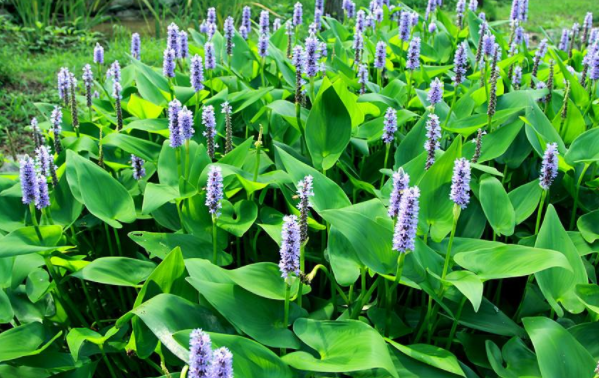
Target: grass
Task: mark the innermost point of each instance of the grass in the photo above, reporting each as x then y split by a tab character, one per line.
551	14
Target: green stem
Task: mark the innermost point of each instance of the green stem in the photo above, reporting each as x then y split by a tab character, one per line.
387	149
454	326
578	183
187	167
453	101
214	241
107	362
302	271
262	72
400	264
456	216
362	301
286	310
379	78
540	211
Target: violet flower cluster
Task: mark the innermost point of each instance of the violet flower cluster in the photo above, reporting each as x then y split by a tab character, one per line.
137	164
214	191
460	183
407	221
290	247
401	181
389	126
413	62
549	166
435	94
196	71
209	121
433	134
305	190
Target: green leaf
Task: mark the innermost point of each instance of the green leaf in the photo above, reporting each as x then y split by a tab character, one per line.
468	284
251	359
6	311
588	225
25	240
431	355
237	218
328	129
140	147
143	109
112	204
120	271
497	206
25	340
550	340
343	346
584	149
558	284
507	261
589	295
261	318
525	200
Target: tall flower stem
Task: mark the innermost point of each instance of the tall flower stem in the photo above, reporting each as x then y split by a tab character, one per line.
454	326
578	183
302	270
187	165
263	65
409	77
453	101
286	309
400	264
456	215
387	149
36	225
540	211
214	241
379	78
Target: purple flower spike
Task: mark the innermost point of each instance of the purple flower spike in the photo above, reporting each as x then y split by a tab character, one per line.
88	81
312	55
183	50
290	247
405	23
29	184
114	71
64	82
460	62
210	31
433	134
390	125
594	64
564	42
519	35
401	181
214	191
264	22
168	63
378	14
185	119
209	56
380	55
211	15
298	14
517	77
98	54
304	192
460	9
350	9
489	44
229	31
43	160
473	5
172	38
174	107
263	45
243	31
432	28
407	221
42	200
137	164
56	121
276	24
363	77
435	94
197	73
222	364
460	183
246	18
515	12
361	20
209	121
135	46
200	354
413	61
549	166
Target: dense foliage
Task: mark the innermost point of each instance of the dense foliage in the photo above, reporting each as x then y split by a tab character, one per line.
391	195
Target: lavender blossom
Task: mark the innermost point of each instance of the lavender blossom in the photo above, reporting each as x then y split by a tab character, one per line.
493	93
98	54
432	28
297	14
304	192
482	31
473	5
319	5
88	80
378	15
197	73
214	191
460	62
549	166
200	354
185	120
209	121
243	31
210	31
489	44
204	27
358	45
435	94
276	25
168	63
407	221
363	77
64	77
74	114
401	182
361	20
594	65
222	364
515	11
114	71
42	199
523	14
350	8
405	23
317	19
312	55
172	38
380	55
460	183
264	22
460	9
38	139
389	125
183	49
229	31
433	134
290	247
519	35
564	42
211	16
517	77
246	19
137	164
539	55
209	55
228	127
56	121
482	16
478	141
541	85
587	25
263	45
135	46
298	63
174	107
29	183
116	94
413	61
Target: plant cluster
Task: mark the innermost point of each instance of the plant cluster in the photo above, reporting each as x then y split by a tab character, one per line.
397	194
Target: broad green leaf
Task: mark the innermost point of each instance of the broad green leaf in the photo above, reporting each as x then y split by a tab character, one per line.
6	311
497	206
328	129
237	218
588	225
120	271
558	284
507	261
525	200
25	240
431	355
589	295
262	319
550	340
143	109
342	346
468	284
488	319
584	149
24	340
113	203
140	147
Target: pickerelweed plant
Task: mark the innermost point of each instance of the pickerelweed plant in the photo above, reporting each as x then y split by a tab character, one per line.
291	195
